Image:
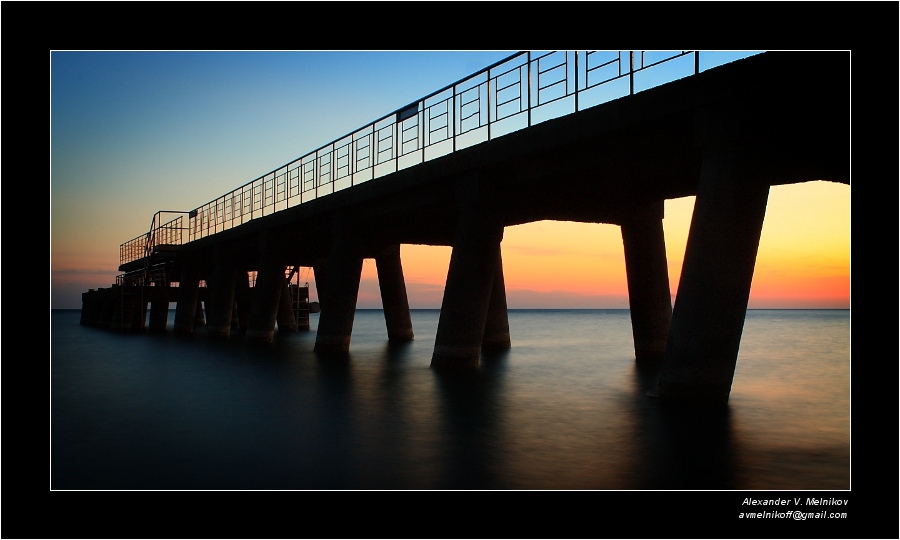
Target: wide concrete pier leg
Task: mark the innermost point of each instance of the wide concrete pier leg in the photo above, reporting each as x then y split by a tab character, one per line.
496	327
187	301
649	296
467	294
320	274
711	304
393	295
199	318
110	301
242	302
221	298
266	296
341	292
287	321
159	307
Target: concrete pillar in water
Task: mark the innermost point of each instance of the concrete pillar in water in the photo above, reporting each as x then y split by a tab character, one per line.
110	301
188	300
219	310
266	296
159	306
467	294
649	296
393	295
711	303
320	274
242	302
199	319
287	321
496	327
341	292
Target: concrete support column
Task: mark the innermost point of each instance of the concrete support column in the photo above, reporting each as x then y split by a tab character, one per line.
320	274
467	295
219	310
711	304
649	296
199	318
110	301
188	301
496	327
341	292
159	306
243	302
393	295
267	291
287	321
266	297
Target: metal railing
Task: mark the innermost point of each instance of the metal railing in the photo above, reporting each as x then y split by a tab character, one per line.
515	93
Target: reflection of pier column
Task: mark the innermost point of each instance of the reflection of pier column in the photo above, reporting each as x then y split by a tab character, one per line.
649	296
496	327
341	292
711	304
393	294
221	297
188	300
467	295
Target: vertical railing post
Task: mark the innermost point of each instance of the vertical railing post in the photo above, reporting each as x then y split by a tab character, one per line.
453	118
631	72
489	104
528	68
696	62
576	81
351	155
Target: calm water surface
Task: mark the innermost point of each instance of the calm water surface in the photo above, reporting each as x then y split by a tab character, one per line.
564	409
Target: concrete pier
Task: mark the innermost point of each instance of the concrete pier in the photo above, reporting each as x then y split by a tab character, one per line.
286	320
159	306
711	304
267	295
467	295
243	302
649	296
496	326
220	307
341	291
723	135
393	295
320	274
187	300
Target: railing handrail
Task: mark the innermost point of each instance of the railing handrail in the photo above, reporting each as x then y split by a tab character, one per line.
339	159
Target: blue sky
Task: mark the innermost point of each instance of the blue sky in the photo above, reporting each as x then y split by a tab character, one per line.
133	132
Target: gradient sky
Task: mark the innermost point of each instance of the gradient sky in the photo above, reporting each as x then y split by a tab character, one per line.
134	132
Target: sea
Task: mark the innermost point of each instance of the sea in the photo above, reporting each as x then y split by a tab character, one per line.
564	409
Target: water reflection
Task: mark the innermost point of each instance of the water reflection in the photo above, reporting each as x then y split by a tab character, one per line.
680	445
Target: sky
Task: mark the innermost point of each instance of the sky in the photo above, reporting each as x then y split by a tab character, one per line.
135	132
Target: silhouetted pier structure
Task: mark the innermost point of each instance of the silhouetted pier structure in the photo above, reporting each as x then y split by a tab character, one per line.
457	167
